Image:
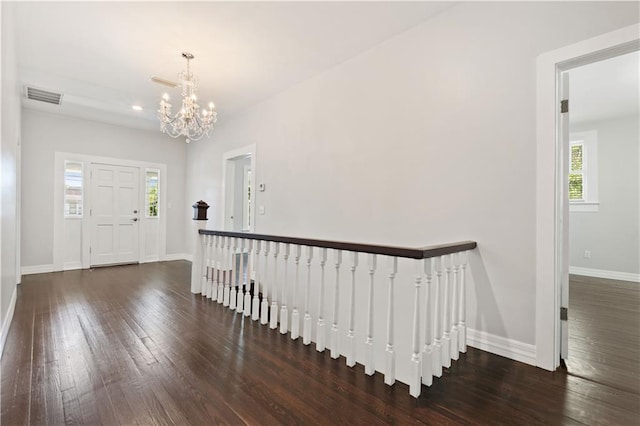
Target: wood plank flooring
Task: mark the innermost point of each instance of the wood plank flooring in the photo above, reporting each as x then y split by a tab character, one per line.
604	332
131	345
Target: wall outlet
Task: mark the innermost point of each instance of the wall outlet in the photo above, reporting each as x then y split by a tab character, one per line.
587	254
261	210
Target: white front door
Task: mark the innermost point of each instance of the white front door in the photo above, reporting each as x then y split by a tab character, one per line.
114	214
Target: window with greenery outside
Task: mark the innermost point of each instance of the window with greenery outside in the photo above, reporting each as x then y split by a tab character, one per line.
576	176
151	180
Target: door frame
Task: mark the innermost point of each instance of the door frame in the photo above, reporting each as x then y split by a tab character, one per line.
550	192
58	208
248	150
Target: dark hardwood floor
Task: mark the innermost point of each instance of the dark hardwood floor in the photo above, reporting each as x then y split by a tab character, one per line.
604	332
131	345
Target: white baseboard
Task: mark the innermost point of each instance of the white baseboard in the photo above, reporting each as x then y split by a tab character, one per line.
68	266
178	256
150	259
37	269
601	273
71	266
502	346
8	318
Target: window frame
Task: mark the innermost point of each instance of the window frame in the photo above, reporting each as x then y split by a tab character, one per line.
65	213
589	141
147	204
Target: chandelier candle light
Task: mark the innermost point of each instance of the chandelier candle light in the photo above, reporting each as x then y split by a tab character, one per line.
190	122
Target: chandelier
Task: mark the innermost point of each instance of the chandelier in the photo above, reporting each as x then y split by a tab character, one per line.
190	121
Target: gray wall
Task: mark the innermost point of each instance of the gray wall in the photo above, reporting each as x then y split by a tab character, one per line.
426	138
43	134
10	167
613	233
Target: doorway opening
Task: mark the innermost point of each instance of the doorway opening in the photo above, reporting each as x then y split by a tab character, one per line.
239	195
552	171
600	340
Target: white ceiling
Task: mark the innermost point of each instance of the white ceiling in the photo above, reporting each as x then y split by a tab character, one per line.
101	55
605	90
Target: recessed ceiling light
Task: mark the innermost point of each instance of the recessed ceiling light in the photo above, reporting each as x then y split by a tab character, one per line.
136	107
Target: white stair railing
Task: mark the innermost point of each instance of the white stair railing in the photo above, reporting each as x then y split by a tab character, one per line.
432	320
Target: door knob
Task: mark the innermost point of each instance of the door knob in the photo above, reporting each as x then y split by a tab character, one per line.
135	219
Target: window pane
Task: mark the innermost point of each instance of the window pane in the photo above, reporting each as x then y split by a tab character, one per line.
151	198
577	155
575	186
72	189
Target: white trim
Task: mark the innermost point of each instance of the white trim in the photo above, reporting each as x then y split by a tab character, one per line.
580	207
70	266
549	192
602	273
179	256
509	348
8	319
38	269
150	259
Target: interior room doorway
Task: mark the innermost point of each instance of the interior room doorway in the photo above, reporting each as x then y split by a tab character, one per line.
239	195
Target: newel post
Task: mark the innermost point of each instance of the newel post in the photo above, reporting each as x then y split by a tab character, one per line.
199	222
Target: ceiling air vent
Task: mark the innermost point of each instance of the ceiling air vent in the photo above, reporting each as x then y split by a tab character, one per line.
44	96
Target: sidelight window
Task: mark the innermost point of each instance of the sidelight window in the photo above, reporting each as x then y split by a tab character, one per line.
73	189
152	206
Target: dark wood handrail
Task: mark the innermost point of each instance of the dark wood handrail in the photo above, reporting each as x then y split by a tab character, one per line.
408	252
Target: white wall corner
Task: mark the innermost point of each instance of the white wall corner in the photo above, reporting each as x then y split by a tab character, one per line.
502	346
8	319
37	269
601	273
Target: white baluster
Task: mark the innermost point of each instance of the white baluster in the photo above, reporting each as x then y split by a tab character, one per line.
462	327
221	274
454	308
247	285
241	278
320	329
227	273
295	316
211	267
415	384
213	295
390	356
233	294
427	351
335	331
273	324
351	335
369	368
437	317
264	306
284	311
306	324
255	307
446	313
205	265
